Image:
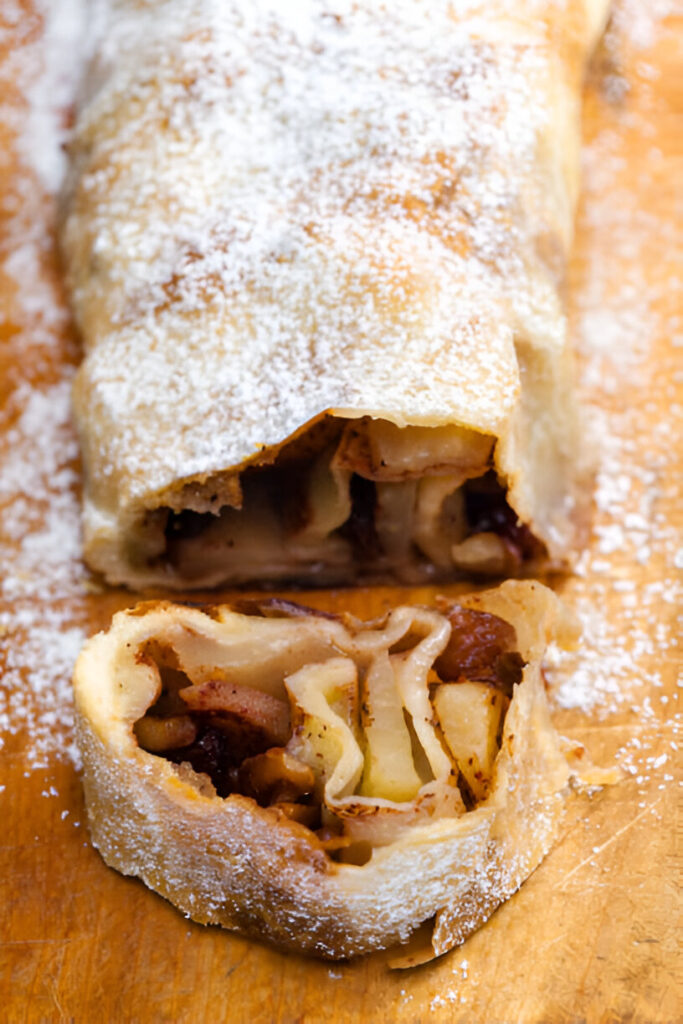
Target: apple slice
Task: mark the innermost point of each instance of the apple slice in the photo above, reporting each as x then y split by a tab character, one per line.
389	766
322	737
470	715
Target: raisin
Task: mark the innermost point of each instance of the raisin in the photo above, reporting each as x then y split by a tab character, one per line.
481	647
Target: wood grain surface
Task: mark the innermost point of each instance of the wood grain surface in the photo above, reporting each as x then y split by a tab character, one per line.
592	935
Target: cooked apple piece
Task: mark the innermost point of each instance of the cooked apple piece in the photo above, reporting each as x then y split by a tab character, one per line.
389	768
394	508
470	716
321	737
156	734
327	499
380	450
440	517
234	705
486	554
275	776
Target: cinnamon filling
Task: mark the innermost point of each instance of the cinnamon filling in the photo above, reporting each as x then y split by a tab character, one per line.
241	738
350	500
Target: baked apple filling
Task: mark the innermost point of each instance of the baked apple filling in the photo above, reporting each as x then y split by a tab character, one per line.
349	500
368	731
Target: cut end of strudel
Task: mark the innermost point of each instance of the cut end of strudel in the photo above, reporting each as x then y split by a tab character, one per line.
318	259
330	785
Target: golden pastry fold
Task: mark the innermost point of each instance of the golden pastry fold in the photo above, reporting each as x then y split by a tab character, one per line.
317	256
331	785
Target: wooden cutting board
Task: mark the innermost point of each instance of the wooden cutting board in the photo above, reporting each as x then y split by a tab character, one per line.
592	935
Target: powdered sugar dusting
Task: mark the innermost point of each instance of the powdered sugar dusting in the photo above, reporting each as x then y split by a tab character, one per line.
38	652
626	322
42	580
335	193
50	93
638	24
38	490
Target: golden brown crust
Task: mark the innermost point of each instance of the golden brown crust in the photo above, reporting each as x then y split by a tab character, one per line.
249	868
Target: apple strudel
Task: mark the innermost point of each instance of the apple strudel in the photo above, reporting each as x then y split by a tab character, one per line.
317	256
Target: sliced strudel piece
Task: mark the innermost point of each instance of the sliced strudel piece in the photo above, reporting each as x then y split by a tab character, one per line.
331	785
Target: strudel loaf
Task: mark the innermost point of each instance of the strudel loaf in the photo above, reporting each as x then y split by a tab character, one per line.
317	253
